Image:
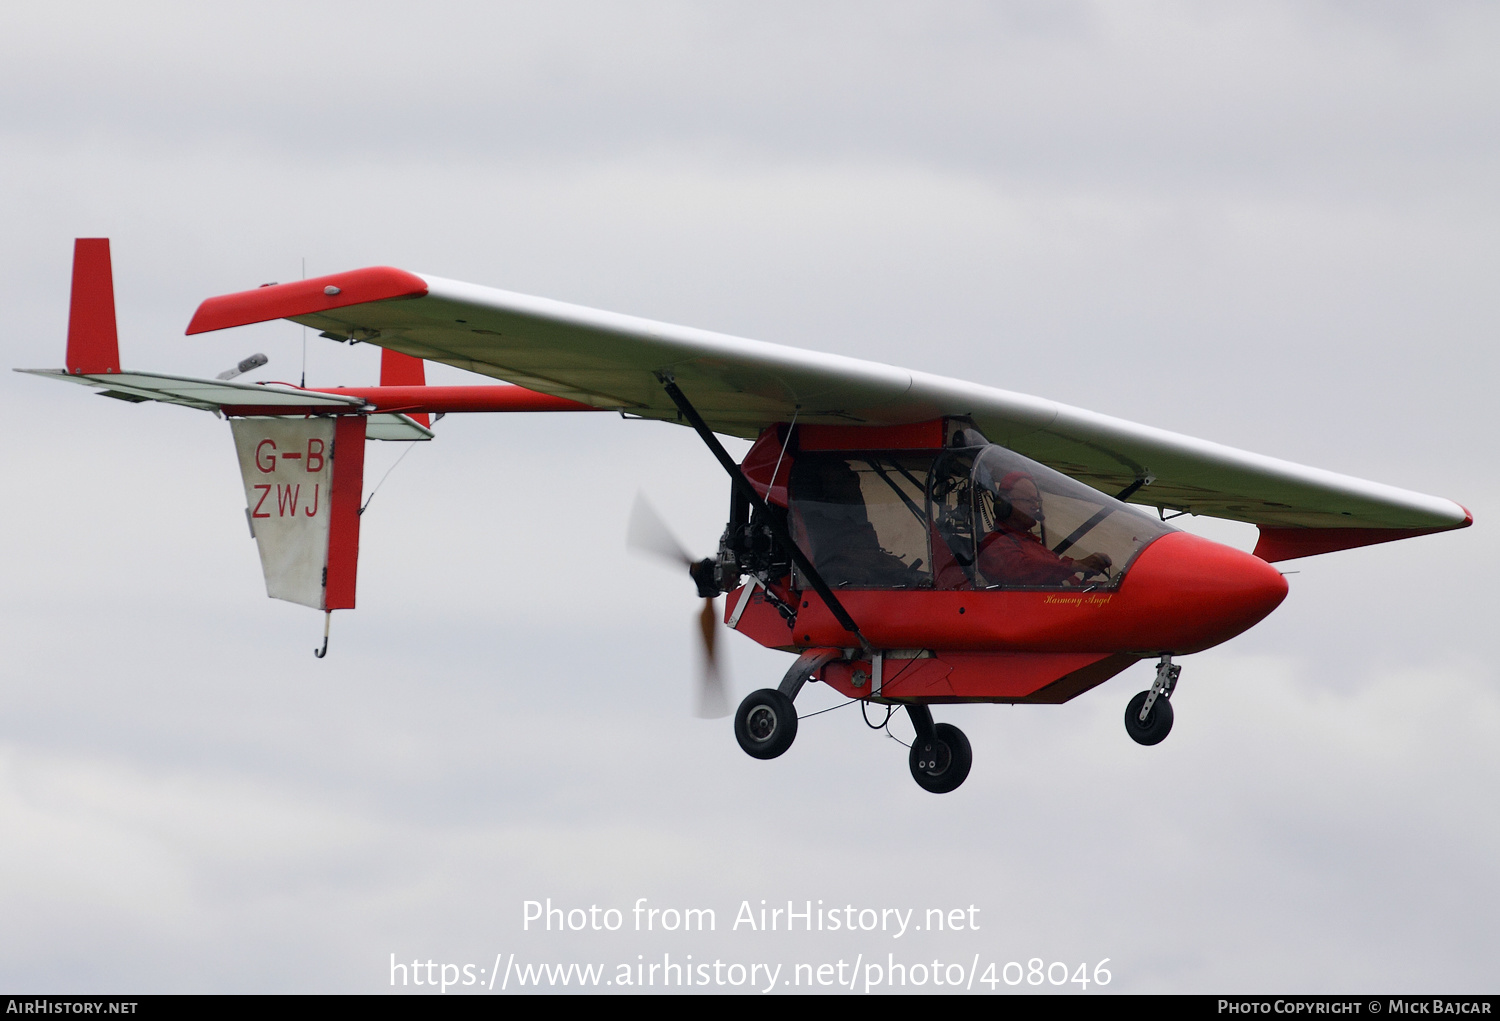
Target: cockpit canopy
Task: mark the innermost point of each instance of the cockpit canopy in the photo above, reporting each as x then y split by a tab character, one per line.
972	515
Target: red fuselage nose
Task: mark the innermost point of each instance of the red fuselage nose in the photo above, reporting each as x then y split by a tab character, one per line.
1200	593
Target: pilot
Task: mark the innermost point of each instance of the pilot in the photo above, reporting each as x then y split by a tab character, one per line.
1013	555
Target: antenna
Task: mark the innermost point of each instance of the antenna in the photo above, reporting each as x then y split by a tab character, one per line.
304	342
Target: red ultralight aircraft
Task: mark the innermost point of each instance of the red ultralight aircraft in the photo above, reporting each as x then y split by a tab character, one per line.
913	540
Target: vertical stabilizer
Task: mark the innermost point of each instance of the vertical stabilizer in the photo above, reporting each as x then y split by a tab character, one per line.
397	369
93	344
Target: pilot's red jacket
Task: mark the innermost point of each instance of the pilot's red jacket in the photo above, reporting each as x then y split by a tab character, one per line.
1008	557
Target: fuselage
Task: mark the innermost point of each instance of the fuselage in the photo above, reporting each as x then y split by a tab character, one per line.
974	574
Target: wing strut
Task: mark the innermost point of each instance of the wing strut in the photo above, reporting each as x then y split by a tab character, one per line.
778	528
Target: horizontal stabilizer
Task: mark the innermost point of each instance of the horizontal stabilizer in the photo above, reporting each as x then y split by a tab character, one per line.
398	427
203	394
260	400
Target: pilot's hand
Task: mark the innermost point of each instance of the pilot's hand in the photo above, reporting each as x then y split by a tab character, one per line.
1096	563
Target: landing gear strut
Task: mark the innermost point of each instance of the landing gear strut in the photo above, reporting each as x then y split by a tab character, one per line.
940	755
1148	717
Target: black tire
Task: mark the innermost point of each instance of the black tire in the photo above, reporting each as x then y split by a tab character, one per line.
765	723
1158	722
941	764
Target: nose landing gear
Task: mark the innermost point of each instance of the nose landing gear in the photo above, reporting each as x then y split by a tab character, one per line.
1148	717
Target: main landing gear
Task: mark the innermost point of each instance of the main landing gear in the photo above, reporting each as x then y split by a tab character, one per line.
940	756
1148	717
766	724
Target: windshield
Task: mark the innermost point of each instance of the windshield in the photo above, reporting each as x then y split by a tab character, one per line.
1009	522
961	518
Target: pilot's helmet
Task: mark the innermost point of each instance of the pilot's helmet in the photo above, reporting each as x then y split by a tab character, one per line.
996	470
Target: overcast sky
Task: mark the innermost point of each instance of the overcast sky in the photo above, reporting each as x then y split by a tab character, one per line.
1270	225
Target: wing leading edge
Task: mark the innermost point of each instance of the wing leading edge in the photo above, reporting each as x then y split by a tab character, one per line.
611	361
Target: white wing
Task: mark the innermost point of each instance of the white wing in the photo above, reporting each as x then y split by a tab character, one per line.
740	386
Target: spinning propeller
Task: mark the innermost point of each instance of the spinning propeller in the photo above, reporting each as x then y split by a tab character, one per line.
648	533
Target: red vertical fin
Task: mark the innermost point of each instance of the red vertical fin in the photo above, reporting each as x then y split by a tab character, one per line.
343	525
397	369
93	344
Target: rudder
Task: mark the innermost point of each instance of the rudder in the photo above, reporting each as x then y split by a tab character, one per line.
93	342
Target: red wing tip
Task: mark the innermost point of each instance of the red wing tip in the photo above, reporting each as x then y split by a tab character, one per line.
305	297
1290	543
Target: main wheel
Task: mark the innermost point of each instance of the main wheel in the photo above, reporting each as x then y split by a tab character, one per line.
942	762
1158	722
765	723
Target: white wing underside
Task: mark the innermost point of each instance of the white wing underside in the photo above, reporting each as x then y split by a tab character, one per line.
740	386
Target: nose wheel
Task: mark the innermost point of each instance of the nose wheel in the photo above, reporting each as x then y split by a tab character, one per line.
940	756
1148	717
